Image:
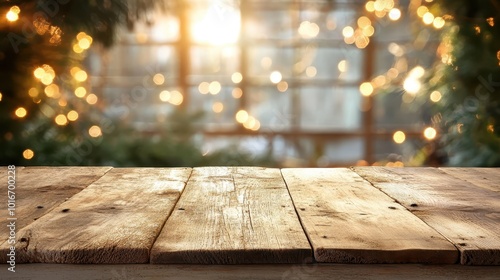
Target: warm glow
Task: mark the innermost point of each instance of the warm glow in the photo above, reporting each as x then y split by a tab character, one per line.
430	133
158	79
176	98
72	115
370	6
28	154
342	66
77	48
61	119
84	43
364	22
275	77
435	96
204	87
62	102
11	15
218	26
1	96
422	10
21	112
217	107
395	14
95	131
242	116
236	77
348	31
92	99
282	86
428	18
80	92
311	71
52	90
308	30
399	137
39	72
81	76
165	96
214	87
412	85
438	22
366	89
237	93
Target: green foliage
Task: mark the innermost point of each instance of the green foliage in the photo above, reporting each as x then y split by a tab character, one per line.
469	112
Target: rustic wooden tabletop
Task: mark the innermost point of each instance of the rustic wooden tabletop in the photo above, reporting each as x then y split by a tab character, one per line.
253	215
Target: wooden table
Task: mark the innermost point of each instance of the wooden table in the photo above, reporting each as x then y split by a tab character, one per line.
307	223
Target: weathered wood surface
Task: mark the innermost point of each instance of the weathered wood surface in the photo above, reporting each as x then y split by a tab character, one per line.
488	178
230	215
41	189
347	220
465	214
114	220
314	271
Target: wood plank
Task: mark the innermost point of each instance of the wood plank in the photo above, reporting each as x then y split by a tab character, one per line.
230	215
316	271
488	178
465	214
114	220
349	221
41	189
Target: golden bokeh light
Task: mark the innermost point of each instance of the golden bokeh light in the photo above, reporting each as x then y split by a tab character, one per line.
430	133
62	102
394	14
282	86
422	10
236	77
158	79
33	92
364	22
204	87
435	96
214	87
95	131
81	76
399	137
80	92
21	112
311	71
61	119
242	116
72	115
28	154
91	99
1	96
348	31
13	14
52	90
428	18
237	93
366	89
370	6
438	22
176	98
217	107
275	77
165	96
342	66
308	30
77	48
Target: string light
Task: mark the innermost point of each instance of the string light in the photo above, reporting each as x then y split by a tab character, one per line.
217	107
366	89
158	79
95	131
214	87
176	98
13	14
399	137
236	77
28	154
72	115
275	77
80	92
61	120
241	116
282	86
237	93
165	96
21	112
91	99
430	133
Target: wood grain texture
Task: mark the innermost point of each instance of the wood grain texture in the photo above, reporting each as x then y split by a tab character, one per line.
41	189
230	215
349	221
488	178
114	220
465	214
